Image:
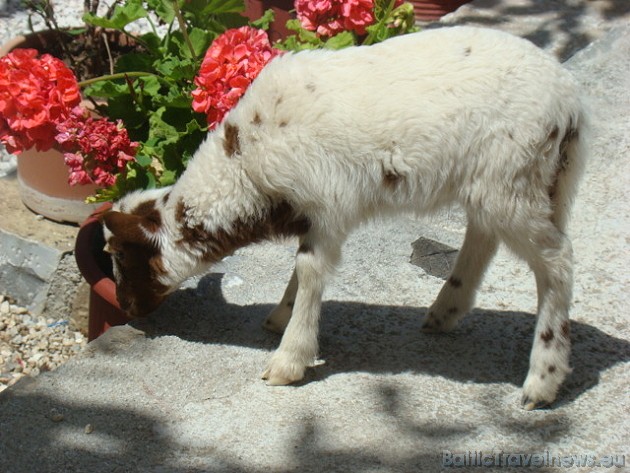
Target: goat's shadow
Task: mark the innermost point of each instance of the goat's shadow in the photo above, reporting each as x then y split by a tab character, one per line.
486	347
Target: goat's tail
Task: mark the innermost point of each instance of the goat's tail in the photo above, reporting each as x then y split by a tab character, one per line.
573	155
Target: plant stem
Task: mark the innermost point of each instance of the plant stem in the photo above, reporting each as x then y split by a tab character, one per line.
370	38
184	30
121	75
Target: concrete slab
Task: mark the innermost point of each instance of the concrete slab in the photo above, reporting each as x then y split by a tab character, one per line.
180	391
37	266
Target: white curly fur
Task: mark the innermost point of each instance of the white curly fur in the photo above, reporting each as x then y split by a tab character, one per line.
460	115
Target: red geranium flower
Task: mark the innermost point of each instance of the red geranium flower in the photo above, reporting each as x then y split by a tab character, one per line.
231	63
330	17
97	149
35	95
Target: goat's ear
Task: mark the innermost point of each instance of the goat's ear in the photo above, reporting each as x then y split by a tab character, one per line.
127	227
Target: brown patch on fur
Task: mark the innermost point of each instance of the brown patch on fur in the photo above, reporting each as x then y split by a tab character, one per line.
455	282
257	120
551	369
311	87
563	160
467	51
231	143
165	198
547	336
283	123
152	219
279	221
138	259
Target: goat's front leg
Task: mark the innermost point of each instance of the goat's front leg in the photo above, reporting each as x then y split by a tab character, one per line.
299	347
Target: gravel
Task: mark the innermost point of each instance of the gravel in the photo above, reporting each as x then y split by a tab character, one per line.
30	344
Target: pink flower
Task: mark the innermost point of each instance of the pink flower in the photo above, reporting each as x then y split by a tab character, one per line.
97	150
330	17
231	63
35	95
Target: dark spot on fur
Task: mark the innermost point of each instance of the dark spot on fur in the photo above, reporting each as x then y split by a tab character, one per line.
279	100
391	178
467	51
282	124
547	336
290	304
311	87
452	310
551	369
231	143
165	198
566	329
180	211
542	376
257	120
305	248
281	220
455	282
554	134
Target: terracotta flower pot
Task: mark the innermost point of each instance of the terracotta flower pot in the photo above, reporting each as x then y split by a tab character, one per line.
96	267
429	10
43	175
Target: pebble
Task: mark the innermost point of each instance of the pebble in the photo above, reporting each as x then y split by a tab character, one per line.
31	344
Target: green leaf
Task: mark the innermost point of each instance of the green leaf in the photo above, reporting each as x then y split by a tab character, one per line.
144	160
264	21
215	7
106	89
163	8
140	62
167	178
175	98
124	14
149	85
153	42
200	40
341	40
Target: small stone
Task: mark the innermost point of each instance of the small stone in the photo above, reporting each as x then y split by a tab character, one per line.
56	416
89	428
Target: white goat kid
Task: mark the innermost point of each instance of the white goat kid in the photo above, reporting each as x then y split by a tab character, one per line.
325	140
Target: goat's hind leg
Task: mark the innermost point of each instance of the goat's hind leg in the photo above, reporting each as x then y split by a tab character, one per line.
457	296
548	252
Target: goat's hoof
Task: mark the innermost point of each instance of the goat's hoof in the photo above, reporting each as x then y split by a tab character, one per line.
435	324
531	404
282	377
275	380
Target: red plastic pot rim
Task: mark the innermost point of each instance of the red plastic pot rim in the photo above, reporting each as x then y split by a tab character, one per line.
99	282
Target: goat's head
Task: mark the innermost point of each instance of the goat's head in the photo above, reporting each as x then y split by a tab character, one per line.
133	234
